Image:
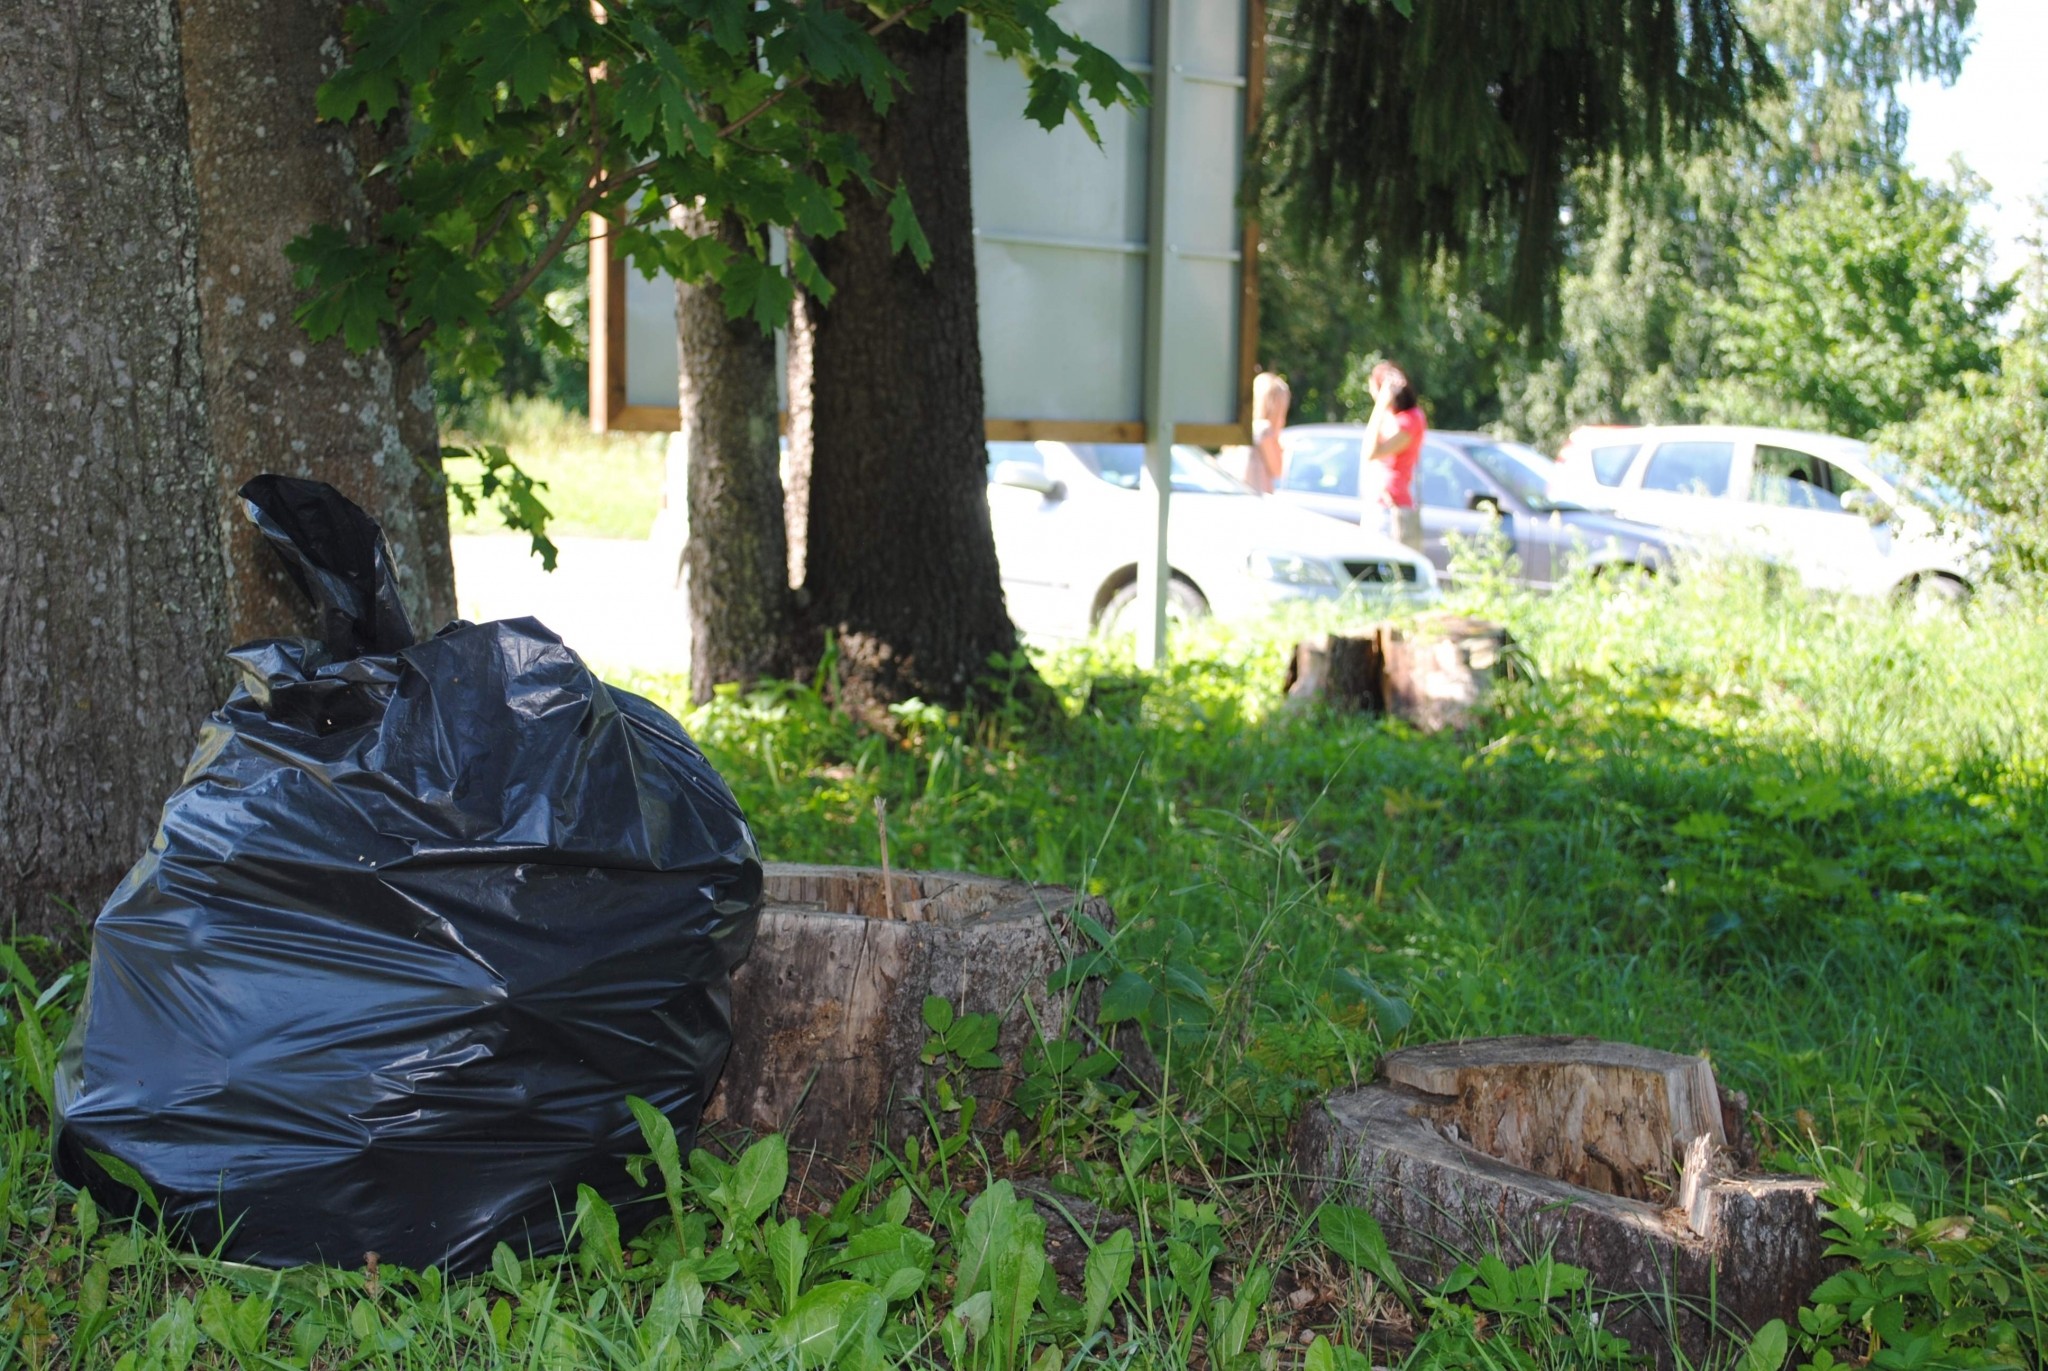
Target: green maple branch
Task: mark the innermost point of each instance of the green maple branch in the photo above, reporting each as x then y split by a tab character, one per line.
603	183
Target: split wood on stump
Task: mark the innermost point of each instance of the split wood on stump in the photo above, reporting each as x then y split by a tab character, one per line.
1434	674
1603	1155
828	1023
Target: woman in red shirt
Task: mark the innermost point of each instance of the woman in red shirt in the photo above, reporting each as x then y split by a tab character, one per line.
1386	486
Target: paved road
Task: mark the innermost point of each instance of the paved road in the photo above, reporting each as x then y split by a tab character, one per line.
605	597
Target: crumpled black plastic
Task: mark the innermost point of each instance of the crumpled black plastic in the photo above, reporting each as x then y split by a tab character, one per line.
418	919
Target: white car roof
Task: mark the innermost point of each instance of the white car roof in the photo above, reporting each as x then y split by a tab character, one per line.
1749	433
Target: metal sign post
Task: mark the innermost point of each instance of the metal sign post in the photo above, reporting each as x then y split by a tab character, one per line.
1154	571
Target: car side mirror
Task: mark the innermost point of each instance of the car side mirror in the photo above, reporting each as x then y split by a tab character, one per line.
1860	501
1028	476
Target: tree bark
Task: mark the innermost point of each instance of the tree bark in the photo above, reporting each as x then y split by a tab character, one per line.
112	606
1435	674
828	1022
737	552
900	558
266	170
1603	1155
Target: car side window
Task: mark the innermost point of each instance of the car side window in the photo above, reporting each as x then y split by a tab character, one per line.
1690	468
1319	464
1837	481
1610	464
1027	453
1791	479
1438	480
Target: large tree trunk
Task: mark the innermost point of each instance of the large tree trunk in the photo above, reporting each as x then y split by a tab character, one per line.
737	553
900	559
112	611
267	170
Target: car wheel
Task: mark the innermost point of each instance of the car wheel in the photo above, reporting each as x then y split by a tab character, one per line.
1184	604
1935	597
1624	578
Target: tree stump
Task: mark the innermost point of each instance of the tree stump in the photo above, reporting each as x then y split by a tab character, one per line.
827	1010
1434	674
1603	1155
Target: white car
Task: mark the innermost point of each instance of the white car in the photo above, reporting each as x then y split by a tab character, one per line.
1068	519
1845	517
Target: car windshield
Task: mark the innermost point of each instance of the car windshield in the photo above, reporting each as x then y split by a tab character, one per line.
1927	490
1193	472
1524	471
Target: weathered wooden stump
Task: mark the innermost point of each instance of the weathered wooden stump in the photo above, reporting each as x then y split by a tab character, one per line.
1434	674
827	1010
1603	1155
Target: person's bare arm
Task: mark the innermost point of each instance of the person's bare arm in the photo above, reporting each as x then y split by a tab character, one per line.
1390	440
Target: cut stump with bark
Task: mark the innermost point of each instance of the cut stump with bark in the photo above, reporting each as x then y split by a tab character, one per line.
1602	1155
1434	674
828	1008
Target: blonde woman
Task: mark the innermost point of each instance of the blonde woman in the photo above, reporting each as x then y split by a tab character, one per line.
1270	397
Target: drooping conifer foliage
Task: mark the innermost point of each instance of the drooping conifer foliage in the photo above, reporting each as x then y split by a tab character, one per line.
1403	130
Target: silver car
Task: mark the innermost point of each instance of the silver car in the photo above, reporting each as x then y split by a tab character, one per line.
1463	482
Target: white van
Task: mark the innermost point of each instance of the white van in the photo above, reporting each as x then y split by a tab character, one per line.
1845	517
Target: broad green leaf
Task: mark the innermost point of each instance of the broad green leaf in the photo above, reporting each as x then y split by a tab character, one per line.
174	1335
818	1327
1129	996
1106	1276
1016	1272
758	1178
813	208
1189	1267
505	1269
1324	1355
239	1326
973	1037
877	1253
519	52
988	1225
356	87
1356	1236
754	288
86	1214
683	128
128	1176
787	1248
938	1013
1767	1350
673	1312
974	1313
32	1047
904	230
1230	1329
598	1227
660	1136
1054	92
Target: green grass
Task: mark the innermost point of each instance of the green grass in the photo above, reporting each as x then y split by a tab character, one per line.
597	485
1802	837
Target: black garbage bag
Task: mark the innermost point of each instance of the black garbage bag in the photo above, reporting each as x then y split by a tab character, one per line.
418	919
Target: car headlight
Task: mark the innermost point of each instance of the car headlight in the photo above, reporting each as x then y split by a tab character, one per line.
1291	568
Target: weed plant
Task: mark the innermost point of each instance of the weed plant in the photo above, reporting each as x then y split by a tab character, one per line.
1800	836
